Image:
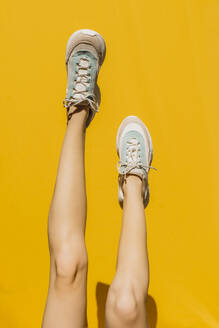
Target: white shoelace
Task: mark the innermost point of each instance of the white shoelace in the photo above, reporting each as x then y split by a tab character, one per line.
133	159
82	82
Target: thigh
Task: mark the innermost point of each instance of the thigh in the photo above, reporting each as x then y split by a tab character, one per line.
112	322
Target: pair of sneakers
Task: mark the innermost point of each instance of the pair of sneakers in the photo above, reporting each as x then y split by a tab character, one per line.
85	54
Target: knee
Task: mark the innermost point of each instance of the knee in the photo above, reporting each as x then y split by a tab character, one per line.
70	261
123	304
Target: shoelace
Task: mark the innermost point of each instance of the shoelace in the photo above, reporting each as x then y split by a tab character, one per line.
133	159
82	80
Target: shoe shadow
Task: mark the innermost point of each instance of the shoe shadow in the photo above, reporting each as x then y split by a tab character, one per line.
101	295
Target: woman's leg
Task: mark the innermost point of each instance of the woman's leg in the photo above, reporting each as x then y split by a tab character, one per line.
66	303
125	305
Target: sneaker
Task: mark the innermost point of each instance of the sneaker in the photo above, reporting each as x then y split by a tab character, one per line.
85	54
135	150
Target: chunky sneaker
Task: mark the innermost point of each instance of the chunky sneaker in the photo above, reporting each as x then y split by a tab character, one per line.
135	150
85	54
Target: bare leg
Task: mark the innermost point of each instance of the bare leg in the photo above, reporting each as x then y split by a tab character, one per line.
125	307
66	303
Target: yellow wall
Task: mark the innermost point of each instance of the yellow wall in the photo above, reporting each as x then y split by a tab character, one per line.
161	65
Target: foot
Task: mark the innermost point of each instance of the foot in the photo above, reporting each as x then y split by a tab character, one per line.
85	54
135	150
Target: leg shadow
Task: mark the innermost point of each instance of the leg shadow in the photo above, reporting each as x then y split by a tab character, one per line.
151	309
101	295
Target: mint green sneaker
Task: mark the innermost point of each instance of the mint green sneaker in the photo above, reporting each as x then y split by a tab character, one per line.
135	150
85	54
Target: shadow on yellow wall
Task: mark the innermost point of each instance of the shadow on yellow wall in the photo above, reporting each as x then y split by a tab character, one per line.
101	295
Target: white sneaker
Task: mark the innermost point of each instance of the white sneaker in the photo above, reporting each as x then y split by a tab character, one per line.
135	150
85	54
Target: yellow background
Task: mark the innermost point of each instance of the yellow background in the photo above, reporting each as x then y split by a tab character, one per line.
162	64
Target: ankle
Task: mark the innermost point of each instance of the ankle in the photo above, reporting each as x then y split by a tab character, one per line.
132	185
77	114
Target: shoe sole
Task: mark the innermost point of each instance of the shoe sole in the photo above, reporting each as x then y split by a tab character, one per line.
71	44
